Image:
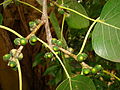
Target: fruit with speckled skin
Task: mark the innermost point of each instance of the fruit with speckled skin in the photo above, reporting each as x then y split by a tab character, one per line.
48	55
55	48
12	64
86	70
23	41
82	57
6	57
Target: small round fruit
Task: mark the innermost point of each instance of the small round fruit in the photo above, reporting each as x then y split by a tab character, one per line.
98	67
80	58
51	4
84	55
94	70
61	11
6	57
48	55
23	41
32	24
59	43
54	40
58	52
33	39
13	52
20	57
66	56
12	64
31	43
45	56
17	41
55	48
86	70
70	50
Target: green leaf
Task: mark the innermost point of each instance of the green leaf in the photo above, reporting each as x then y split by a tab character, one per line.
100	85
75	21
56	26
118	67
51	69
58	77
1	18
38	59
106	39
78	82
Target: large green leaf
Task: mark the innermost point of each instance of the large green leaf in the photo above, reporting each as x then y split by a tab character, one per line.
75	21
106	39
78	82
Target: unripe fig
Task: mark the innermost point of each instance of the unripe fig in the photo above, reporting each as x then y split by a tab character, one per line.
6	57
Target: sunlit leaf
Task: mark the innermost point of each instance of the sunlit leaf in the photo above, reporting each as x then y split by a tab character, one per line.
106	39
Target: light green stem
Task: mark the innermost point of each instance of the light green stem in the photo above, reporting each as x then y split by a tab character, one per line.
20	75
112	75
100	21
56	56
62	26
60	6
30	6
86	37
5	2
18	64
68	76
8	29
62	2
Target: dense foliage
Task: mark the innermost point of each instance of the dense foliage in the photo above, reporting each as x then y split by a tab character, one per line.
81	49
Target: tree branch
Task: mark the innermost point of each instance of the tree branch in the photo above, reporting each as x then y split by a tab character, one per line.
45	19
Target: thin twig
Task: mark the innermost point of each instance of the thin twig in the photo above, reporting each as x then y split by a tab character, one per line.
35	30
112	75
72	10
47	27
5	2
19	51
68	53
86	37
28	37
11	30
29	5
63	21
20	74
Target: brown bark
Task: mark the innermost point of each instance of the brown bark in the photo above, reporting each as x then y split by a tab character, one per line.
17	18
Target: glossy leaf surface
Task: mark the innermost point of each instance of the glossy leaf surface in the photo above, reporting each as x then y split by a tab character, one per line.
106	39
